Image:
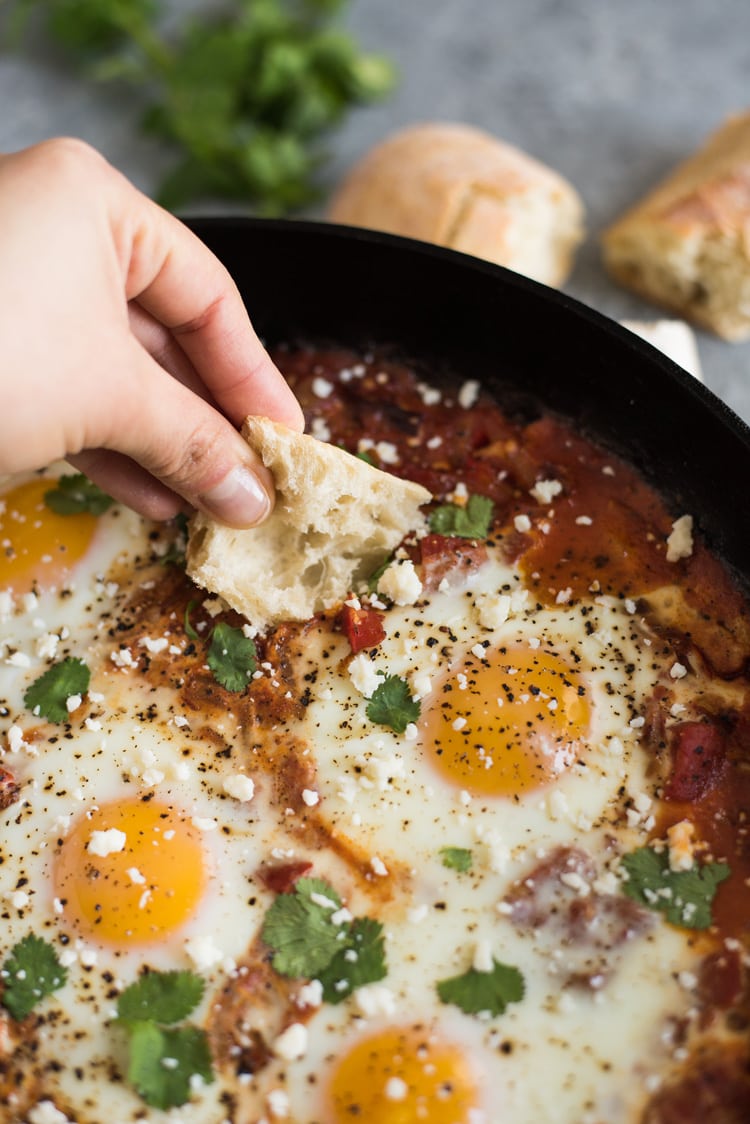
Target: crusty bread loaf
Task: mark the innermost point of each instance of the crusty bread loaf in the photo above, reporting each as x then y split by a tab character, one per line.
674	337
336	518
461	187
686	245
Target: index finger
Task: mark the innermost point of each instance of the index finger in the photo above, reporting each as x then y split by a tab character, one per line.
177	279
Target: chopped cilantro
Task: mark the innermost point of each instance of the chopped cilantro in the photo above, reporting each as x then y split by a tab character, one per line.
683	896
48	695
307	942
470	522
300	930
366	457
456	858
162	1062
31	972
392	705
162	997
77	494
474	991
163	1058
175	553
360	961
231	657
189	630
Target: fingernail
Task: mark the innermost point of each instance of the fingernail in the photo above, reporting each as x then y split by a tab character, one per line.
239	499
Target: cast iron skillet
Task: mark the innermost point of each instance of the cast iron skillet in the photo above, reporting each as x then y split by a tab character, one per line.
528	342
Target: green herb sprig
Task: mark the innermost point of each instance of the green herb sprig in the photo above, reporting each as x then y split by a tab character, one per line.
162	1057
244	97
684	897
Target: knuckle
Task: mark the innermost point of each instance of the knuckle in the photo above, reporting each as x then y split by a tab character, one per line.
186	467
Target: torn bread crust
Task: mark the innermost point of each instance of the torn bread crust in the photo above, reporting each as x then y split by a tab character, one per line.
336	518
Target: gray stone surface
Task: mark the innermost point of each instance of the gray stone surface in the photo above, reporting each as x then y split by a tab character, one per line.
610	93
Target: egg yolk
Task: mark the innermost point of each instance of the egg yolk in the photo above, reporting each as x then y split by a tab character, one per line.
507	724
39	548
403	1076
131	872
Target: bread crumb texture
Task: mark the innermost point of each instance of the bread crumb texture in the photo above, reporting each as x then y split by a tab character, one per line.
686	244
335	520
461	187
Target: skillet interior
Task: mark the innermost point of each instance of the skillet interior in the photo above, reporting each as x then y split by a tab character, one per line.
528	342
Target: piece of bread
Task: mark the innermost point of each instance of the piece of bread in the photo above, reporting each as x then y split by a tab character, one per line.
686	244
461	187
674	337
336	518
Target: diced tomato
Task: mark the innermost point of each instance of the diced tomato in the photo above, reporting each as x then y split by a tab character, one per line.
450	558
698	756
282	877
363	628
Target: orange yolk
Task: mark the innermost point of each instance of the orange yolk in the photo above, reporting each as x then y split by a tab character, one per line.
507	724
38	547
403	1076
131	873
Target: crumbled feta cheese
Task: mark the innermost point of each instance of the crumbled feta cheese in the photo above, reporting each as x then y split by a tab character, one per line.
135	875
278	1104
319	429
678	671
468	394
109	842
363	674
584	520
482	961
396	1089
240	787
493	609
310	797
680	541
16	740
203	823
375	999
378	866
291	1045
681	845
321	387
46	645
203	952
123	657
544	491
401	583
310	994
154	646
17	898
522	523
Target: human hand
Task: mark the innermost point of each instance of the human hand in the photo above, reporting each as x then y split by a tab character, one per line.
124	344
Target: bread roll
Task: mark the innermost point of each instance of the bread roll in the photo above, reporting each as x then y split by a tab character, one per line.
335	520
686	245
460	187
674	337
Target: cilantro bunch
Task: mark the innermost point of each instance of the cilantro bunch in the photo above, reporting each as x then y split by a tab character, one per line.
243	96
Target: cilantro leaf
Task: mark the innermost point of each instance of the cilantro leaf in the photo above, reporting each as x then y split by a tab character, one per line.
392	705
48	694
683	896
244	94
76	494
189	630
30	973
344	974
231	657
300	931
162	1062
470	522
474	991
162	997
456	858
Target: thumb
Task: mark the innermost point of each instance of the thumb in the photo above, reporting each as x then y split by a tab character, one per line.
183	442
